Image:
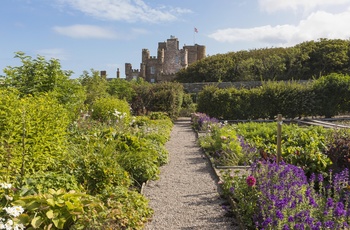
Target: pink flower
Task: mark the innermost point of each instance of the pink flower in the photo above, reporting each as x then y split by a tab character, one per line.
251	181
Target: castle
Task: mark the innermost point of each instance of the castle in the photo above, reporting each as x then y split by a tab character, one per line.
170	59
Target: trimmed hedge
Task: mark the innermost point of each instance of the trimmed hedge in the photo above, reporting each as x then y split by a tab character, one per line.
327	96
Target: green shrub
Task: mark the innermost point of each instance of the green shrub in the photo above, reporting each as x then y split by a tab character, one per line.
138	157
59	209
333	94
41	182
163	97
111	110
127	209
32	135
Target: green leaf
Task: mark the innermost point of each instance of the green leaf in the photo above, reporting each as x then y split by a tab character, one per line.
50	214
37	221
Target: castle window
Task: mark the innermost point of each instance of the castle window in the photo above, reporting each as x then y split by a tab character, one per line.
152	70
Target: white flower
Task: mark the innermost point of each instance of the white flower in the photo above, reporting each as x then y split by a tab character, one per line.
8	225
19	227
14	211
116	113
8	197
6	185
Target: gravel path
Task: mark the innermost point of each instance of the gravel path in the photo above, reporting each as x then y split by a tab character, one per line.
187	195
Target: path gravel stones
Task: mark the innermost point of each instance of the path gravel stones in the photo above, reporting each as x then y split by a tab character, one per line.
187	194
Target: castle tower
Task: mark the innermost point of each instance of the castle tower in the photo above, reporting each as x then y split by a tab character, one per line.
145	55
128	69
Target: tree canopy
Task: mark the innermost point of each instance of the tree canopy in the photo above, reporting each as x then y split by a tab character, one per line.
307	60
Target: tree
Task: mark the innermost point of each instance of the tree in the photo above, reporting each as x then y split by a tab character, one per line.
95	85
37	76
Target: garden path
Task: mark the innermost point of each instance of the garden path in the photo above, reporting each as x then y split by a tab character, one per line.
187	194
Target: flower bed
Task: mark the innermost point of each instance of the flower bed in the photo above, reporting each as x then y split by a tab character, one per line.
280	196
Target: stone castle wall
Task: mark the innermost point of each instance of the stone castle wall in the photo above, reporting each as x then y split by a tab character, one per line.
169	60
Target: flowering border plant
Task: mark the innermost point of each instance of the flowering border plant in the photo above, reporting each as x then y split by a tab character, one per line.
280	196
9	213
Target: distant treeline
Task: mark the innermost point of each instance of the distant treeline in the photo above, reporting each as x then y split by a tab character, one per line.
307	60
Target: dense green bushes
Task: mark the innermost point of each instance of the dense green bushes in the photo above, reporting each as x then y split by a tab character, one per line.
163	97
327	96
32	134
307	60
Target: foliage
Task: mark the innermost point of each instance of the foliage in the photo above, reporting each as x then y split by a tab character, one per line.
92	158
42	76
202	122
327	96
127	209
111	110
307	60
138	157
41	182
246	197
9	212
60	210
332	93
162	97
338	150
301	146
122	89
32	134
285	199
95	86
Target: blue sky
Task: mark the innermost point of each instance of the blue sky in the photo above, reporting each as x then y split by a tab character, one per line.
105	34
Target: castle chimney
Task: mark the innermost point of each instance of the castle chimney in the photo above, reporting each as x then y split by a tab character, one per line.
118	73
103	74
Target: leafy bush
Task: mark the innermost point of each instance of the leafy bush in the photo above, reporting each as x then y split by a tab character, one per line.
327	96
138	157
41	182
339	152
127	209
163	97
111	110
32	134
332	93
60	210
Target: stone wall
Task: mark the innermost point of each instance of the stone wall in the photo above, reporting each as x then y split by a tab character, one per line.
197	87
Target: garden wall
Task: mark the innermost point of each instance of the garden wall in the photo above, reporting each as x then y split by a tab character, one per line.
197	87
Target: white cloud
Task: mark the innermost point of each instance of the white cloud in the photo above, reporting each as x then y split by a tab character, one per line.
317	25
55	53
125	10
306	5
86	31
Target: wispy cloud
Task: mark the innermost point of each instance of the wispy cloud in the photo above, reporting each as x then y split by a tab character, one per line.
125	10
305	5
86	31
317	25
56	53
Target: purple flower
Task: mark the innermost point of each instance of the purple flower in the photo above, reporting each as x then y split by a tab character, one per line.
339	210
232	189
266	222
329	224
329	203
285	227
320	177
290	219
279	215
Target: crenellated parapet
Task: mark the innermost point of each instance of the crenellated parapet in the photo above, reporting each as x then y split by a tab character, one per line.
169	60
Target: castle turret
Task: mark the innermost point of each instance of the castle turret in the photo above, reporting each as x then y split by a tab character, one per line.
128	69
145	55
